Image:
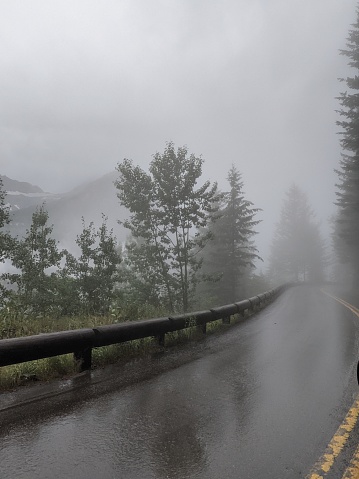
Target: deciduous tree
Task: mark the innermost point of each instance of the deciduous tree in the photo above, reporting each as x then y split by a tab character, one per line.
168	209
37	259
96	271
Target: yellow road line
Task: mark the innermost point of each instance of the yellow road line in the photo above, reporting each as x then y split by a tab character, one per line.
352	308
352	472
336	445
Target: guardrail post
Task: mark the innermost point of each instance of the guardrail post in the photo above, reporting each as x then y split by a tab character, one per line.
83	359
161	339
202	328
226	320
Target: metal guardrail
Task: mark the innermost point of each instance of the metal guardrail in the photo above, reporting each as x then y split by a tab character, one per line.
80	342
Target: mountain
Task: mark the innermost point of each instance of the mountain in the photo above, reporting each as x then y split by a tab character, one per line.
89	201
20	194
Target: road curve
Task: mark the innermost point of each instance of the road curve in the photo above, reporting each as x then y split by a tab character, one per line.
262	400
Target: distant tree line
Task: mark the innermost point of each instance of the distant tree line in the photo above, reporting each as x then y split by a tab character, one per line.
188	240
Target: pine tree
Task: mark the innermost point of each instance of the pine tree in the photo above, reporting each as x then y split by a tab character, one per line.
5	241
167	211
347	227
297	252
231	254
4	220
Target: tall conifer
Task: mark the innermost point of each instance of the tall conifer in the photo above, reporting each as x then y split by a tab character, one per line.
347	226
231	253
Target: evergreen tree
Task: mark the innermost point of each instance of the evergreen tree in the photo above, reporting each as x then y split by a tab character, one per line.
231	253
5	241
167	211
4	220
347	227
297	252
37	258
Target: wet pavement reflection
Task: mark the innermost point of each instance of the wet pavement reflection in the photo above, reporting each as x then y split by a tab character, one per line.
258	401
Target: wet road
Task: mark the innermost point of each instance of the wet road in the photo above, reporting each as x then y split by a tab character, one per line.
260	401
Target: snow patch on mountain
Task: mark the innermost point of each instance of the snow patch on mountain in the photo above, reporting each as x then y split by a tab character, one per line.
30	195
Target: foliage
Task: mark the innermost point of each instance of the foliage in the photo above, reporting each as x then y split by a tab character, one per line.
297	251
4	220
167	211
93	276
347	224
5	240
142	278
231	253
36	258
14	324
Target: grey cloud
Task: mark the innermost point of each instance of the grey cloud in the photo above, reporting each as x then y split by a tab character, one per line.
87	83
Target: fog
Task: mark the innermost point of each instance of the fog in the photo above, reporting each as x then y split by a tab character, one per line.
85	84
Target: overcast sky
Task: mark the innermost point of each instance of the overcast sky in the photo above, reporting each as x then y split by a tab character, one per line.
85	83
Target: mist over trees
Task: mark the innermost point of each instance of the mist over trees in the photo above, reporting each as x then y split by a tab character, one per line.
184	233
229	256
188	243
297	250
346	234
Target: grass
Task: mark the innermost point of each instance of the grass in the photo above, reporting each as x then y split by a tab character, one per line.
39	370
12	325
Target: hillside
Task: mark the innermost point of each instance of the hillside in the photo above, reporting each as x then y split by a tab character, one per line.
89	201
20	194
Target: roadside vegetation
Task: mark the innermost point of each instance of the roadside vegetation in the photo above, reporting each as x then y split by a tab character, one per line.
166	264
62	367
190	247
175	260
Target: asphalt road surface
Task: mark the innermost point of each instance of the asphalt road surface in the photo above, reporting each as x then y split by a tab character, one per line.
261	400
